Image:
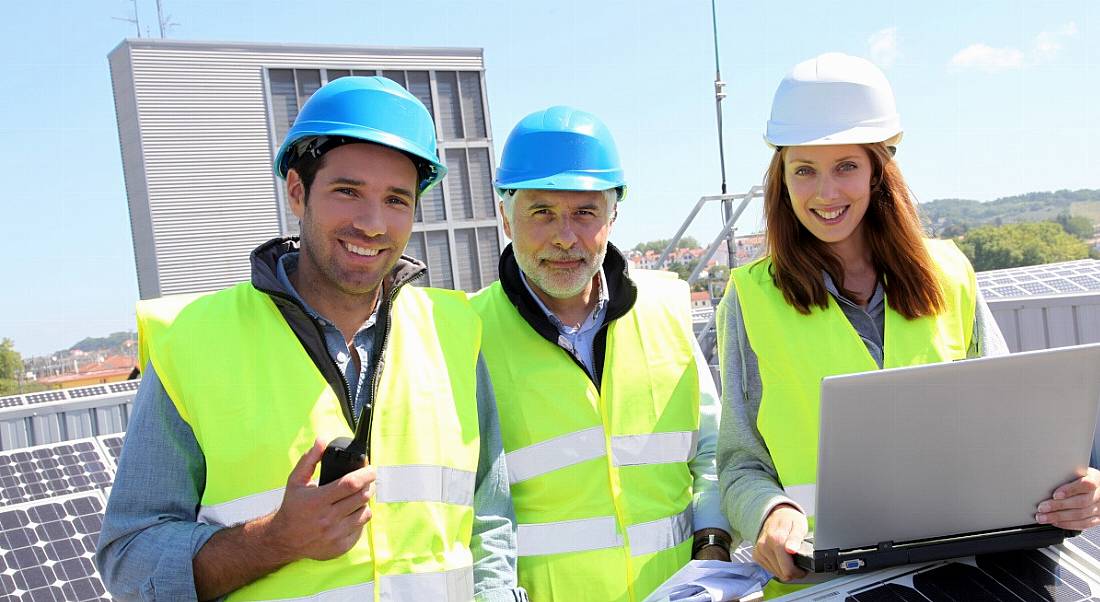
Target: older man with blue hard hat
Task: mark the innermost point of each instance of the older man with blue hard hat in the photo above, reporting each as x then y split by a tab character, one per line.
243	388
608	411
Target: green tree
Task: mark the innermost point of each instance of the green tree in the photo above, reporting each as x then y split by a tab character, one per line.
1016	245
1076	225
11	363
687	242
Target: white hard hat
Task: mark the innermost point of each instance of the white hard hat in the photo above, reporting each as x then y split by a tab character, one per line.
833	99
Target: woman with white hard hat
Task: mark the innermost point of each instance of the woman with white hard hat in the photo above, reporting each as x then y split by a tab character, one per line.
849	284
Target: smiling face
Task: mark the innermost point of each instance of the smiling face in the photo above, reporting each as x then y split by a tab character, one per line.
830	189
560	238
357	219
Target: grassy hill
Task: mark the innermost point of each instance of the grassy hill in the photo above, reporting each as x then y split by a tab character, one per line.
951	217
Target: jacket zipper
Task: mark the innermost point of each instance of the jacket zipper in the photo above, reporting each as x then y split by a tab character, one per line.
378	363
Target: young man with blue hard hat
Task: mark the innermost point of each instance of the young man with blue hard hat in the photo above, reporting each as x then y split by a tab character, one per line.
608	410
214	494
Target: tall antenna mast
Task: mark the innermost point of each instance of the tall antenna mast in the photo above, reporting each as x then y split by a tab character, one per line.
164	21
137	24
719	95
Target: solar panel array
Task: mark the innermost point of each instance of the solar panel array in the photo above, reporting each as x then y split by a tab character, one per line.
1067	277
63	395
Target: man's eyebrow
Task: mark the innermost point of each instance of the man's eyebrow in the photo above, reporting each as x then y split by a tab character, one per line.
401	191
345	181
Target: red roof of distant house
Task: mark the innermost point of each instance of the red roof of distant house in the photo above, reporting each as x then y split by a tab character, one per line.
700	296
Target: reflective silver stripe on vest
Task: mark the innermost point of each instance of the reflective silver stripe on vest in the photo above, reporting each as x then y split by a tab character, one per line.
803	495
653	448
554	454
598	533
626	450
359	591
424	483
455	585
660	534
581	535
235	512
413	483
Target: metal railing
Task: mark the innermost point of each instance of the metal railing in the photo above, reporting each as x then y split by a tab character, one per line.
707	336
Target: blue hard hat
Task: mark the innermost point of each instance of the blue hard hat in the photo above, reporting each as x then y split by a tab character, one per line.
371	109
560	148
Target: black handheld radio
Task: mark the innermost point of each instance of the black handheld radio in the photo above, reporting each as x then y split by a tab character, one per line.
343	455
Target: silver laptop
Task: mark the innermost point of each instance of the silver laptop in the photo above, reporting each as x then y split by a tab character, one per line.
951	459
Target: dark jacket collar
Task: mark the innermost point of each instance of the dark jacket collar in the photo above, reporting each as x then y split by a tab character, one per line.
621	291
265	261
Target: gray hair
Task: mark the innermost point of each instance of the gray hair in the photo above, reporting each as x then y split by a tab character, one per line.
508	199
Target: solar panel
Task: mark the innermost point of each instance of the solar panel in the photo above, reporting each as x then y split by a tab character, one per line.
59	468
11	402
1007	291
45	397
87	392
47	549
1036	288
1063	286
1016	576
1088	542
129	385
1065	277
113	445
1089	282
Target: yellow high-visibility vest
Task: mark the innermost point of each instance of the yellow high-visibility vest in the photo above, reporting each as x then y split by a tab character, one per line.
256	401
796	351
599	477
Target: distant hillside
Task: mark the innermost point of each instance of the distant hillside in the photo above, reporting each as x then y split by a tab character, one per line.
111	342
952	217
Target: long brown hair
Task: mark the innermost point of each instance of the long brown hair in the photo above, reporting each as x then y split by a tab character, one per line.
891	227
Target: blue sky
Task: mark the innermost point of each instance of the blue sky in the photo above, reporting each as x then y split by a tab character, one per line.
997	98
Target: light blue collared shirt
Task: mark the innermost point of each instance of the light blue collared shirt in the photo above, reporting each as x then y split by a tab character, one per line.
580	340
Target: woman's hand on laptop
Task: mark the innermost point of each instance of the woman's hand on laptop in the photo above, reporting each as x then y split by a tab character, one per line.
1075	505
780	537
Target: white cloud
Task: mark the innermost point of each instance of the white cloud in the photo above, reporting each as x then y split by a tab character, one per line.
1049	43
987	58
884	47
1045	48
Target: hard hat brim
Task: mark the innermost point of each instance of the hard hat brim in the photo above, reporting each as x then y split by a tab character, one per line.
856	135
564	182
